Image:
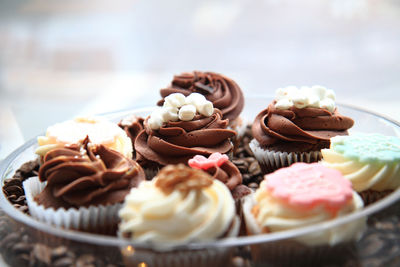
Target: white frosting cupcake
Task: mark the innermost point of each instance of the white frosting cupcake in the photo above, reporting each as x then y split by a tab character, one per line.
74	131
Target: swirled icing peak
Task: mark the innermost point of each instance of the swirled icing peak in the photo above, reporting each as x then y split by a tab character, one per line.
315	96
178	141
366	147
222	91
86	174
309	185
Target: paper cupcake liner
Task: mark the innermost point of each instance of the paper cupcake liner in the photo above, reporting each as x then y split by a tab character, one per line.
172	258
291	252
96	219
272	160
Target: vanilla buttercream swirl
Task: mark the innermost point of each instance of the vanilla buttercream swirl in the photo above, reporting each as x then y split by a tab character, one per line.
178	141
308	125
274	215
222	91
369	161
80	176
150	215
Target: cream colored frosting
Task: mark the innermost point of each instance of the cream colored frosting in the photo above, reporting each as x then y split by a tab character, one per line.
148	214
275	215
73	131
375	175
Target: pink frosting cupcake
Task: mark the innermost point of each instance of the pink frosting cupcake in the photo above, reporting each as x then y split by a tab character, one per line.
298	196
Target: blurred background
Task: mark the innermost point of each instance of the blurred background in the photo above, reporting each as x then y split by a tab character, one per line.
60	59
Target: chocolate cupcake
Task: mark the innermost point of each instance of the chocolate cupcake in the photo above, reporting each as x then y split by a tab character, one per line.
296	126
182	128
371	162
82	187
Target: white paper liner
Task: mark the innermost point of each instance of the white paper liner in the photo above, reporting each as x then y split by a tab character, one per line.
239	125
99	219
272	160
163	256
291	252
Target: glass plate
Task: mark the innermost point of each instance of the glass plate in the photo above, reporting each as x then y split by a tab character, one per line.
25	238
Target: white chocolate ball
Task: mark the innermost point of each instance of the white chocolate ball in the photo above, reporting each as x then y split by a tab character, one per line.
176	100
187	112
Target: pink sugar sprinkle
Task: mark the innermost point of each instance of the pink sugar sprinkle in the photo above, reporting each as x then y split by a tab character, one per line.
203	163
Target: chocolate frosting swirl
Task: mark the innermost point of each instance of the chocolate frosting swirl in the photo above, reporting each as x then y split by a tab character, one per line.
227	173
223	92
295	126
80	176
177	142
132	126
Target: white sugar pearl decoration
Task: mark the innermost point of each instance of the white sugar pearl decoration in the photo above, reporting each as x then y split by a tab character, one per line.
169	114
330	94
206	108
327	103
316	96
299	100
176	100
318	91
155	121
284	103
187	112
195	98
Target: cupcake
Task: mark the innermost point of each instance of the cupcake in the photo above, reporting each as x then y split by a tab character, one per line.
222	91
100	131
296	126
179	206
82	187
298	196
132	125
220	168
182	128
371	162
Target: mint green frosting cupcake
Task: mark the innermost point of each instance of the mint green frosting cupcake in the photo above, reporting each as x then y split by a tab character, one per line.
369	161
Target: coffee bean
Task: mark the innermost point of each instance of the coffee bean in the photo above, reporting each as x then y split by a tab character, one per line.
22	247
14	189
58	252
254	168
63	262
42	254
85	260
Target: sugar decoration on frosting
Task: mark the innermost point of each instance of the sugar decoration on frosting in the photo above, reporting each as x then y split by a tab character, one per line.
178	107
368	147
315	96
182	178
203	163
307	185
